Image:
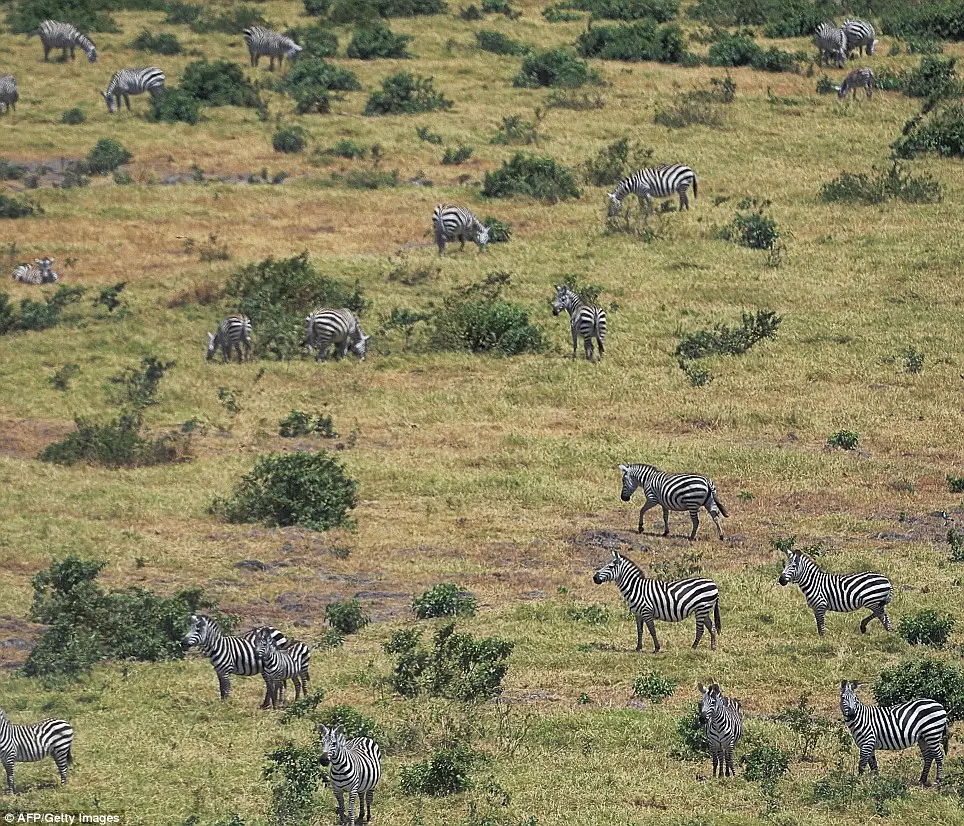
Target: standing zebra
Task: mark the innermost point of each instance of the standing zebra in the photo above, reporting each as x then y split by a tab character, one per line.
54	35
673	492
893	728
33	742
838	592
856	79
832	43
40	272
654	182
262	41
340	327
233	331
356	766
654	599
128	82
277	667
452	223
722	724
859	34
8	93
585	320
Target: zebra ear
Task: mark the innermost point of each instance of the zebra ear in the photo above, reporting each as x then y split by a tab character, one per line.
615	554
210	336
323	729
703	689
623	468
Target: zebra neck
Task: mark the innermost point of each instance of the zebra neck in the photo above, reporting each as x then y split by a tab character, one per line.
212	639
630	578
811	579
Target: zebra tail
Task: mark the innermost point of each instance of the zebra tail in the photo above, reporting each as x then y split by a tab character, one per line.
31	34
716	616
695	193
946	739
719	504
70	756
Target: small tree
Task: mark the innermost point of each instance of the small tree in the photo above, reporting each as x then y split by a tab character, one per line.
405	93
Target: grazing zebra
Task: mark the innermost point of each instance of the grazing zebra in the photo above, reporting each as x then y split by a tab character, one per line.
452	223
128	82
8	93
832	43
722	724
654	599
356	766
340	327
838	592
673	492
277	667
54	35
859	34
856	79
262	41
233	331
656	181
40	272
32	742
585	320
893	728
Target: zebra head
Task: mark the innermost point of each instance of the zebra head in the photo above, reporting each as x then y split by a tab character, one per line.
711	703
630	483
792	570
482	236
563	299
610	572
849	703
293	51
92	54
614	206
264	645
211	345
332	744
47	274
110	102
360	346
872	47
196	632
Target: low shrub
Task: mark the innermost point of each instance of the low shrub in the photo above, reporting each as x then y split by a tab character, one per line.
378	41
691	736
754	229
163	43
934	76
498	43
500	7
660	11
925	677
17	207
182	14
310	80
105	157
444	600
765	761
653	687
531	176
926	628
88	16
219	83
316	42
514	129
37	315
363	12
137	387
317	8
500	232
923	45
690	109
346	148
346	616
471	13
913	360
427	135
446	772
73	117
370	178
289	139
897	182
454	157
955	484
809	727
554	67
297	772
740	50
942	133
235	19
560	13
298	423
723	339
955	541
589	614
405	93
173	105
644	40
120	442
844	439
62	377
940	19
577	101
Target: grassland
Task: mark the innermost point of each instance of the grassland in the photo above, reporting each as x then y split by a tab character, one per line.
499	474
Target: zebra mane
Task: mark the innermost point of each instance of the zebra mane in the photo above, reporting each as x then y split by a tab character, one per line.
632	565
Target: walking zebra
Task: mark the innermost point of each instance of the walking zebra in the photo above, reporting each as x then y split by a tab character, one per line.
8	93
32	742
356	766
452	223
40	272
838	592
280	666
654	182
654	599
340	327
893	728
233	331
128	82
585	320
673	492
856	79
859	34
54	35
723	725
262	41
832	43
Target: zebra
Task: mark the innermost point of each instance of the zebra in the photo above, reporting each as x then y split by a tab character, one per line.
233	331
585	320
356	766
655	599
54	35
856	79
8	93
40	272
673	492
32	742
838	592
340	327
277	667
893	728
453	223
656	181
859	34
832	42
128	82
723	725
262	41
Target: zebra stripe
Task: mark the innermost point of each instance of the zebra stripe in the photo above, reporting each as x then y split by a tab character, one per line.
54	35
838	592
280	666
452	223
340	327
856	79
356	766
654	599
654	182
264	42
32	742
585	320
859	34
673	492
40	272
128	82
723	725
8	93
832	43
893	728
233	331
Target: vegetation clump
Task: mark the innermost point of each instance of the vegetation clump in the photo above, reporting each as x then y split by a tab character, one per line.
378	41
289	139
644	40
926	628
661	11
219	83
925	677
844	439
515	129
897	182
498	43
315	41
105	157
299	423
940	132
453	156
754	229
654	686
295	794
531	176
444	600
310	80
163	43
722	339
554	67
17	207
405	93
25	16
934	76
447	772
172	106
73	117
37	315
346	616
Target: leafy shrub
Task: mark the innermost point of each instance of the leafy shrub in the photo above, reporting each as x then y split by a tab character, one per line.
182	14
362	12
17	208
516	130
289	139
219	83
782	18
427	135
859	187
553	67
942	133
689	109
444	600
310	79
559	13
86	15
62	377
298	423
691	737
294	798
943	20
722	339
933	76
346	616
765	761
653	686
37	315
532	176
500	232
659	10
454	157
844	439
173	105
740	50
955	541
500	7
232	21
378	41
346	148
925	677
73	117
138	387
926	628
406	93
163	43
446	772
498	43
316	42
317	8
637	41
752	229
119	442
106	156
921	45
372	178
309	488
351	721
808	726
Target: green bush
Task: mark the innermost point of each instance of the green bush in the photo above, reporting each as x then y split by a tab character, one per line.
456	156
219	83
934	76
182	14
660	11
163	43
859	187
346	616
955	484
653	686
942	133
172	106
955	541
309	488
346	148
691	736
844	439
137	387
232	21
500	232
289	139
372	178
73	117
120	442
809	727
298	423
554	67
500	7
405	93
446	772
87	15
105	157
444	600
355	12
765	761
782	18
637	41
589	614
532	176
722	339
317	8
925	677
944	20
559	13
515	129
696	107
427	135
295	795
310	79
17	208
37	315
378	41
316	42
498	43
755	229
926	628
740	50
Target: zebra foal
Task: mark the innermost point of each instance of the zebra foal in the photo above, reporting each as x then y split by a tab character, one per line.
127	82
585	320
233	331
654	182
40	272
452	223
356	766
341	327
277	667
654	599
856	79
32	742
832	43
922	722
55	35
723	725
263	42
8	93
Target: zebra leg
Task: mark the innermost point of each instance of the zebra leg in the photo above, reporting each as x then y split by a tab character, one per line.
61	760
575	342
639	632
694	515
271	67
9	769
224	684
715	516
587	344
820	614
924	777
340	797
602	349
712	629
368	796
352	794
237	348
127	102
699	631
652	632
684	202
731	769
46	52
665	520
642	512
884	619
716	761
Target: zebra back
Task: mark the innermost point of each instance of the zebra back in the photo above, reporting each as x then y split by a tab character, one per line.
324	327
229	654
655	181
261	41
57	35
857	78
677	491
40	272
450	222
232	330
133	82
48	738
